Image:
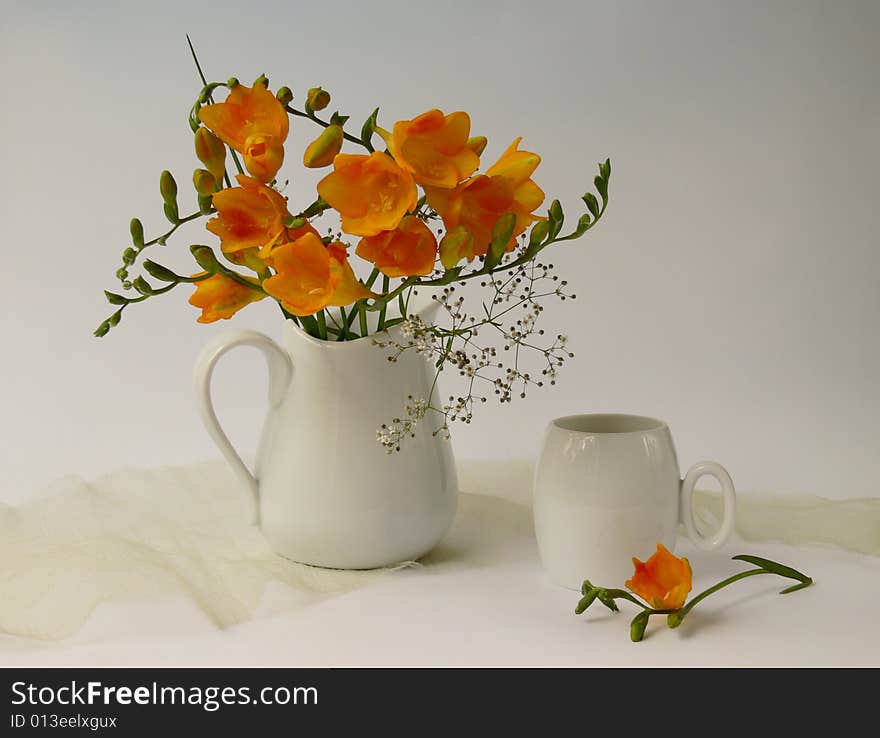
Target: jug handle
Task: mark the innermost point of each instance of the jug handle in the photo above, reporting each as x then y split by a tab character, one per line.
280	373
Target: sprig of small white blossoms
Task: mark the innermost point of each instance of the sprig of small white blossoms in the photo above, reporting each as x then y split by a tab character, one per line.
475	346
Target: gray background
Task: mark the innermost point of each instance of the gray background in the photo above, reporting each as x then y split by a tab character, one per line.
732	289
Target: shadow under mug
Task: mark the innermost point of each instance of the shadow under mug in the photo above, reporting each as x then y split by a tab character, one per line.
607	488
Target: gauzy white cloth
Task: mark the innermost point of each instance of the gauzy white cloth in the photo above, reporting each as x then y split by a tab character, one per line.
185	530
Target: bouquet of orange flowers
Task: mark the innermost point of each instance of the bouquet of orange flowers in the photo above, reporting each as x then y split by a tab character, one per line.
416	212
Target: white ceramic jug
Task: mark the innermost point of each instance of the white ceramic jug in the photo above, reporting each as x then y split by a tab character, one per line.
327	492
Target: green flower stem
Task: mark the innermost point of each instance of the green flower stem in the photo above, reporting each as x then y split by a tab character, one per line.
343	333
712	590
165	236
401	305
324	124
232	274
315	209
357	308
454	276
321	317
210	100
114	319
607	597
362	316
380	326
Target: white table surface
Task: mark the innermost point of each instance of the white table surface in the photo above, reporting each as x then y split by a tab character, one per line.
505	614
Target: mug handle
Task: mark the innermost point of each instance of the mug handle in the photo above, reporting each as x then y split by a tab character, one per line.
728	493
280	373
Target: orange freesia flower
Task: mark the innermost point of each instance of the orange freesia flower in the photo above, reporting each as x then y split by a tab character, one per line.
434	147
663	581
408	251
372	193
311	276
291	234
255	124
248	216
478	203
221	297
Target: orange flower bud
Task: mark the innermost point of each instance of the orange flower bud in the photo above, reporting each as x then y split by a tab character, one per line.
477	144
255	124
478	203
408	251
317	98
284	95
433	147
311	276
663	581
221	297
372	193
248	216
204	182
211	152
322	151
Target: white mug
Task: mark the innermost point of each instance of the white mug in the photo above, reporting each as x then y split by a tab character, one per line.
607	488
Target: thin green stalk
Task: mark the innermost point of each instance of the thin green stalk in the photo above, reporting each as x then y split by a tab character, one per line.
322	324
454	276
386	284
211	100
362	317
165	236
324	124
401	305
730	580
343	333
356	309
371	280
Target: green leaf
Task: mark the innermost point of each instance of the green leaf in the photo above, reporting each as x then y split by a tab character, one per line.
115	299
309	324
605	169
368	128
501	235
114	319
102	330
556	218
592	204
796	587
161	273
775	567
137	233
142	286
